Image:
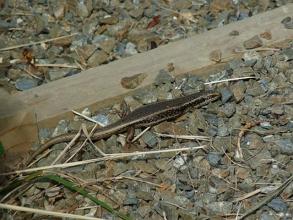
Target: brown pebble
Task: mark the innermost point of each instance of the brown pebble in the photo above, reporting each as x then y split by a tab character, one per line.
266	35
216	56
234	33
253	42
133	81
170	67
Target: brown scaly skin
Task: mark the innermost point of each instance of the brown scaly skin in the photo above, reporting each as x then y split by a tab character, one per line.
144	116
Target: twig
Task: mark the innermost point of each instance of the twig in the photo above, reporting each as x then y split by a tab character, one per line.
61	65
129	178
82	145
87	118
238	50
44	212
88	137
229	158
186	137
67	147
106	158
247	126
37	42
260	190
238	210
140	134
269	198
31	74
228	80
40	157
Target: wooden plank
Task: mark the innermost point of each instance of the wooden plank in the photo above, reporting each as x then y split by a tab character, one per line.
99	86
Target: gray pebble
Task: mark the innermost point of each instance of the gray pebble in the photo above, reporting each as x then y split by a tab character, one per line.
101	119
220	207
287	54
25	83
243	71
288	22
130	200
145	96
226	94
254	89
266	125
222	128
130	49
286	146
56	74
253	42
223	143
150	139
229	109
193	84
268	216
277	109
234	64
61	128
163	77
264	84
98	58
82	10
44	133
278	205
238	90
214	158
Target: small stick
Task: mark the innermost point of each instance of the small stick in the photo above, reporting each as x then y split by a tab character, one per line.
250	194
45	212
87	118
106	158
31	74
61	65
237	50
186	137
228	80
229	158
269	198
37	42
67	147
140	134
247	126
129	178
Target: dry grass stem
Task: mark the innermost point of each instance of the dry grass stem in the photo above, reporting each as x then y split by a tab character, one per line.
269	197
140	134
84	142
87	118
266	189
42	156
60	65
37	42
88	136
228	80
238	50
247	126
69	145
232	161
127	177
31	74
106	158
186	137
44	212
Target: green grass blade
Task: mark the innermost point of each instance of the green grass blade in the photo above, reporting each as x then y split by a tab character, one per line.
72	186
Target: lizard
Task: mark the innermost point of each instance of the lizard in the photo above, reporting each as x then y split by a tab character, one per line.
144	116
